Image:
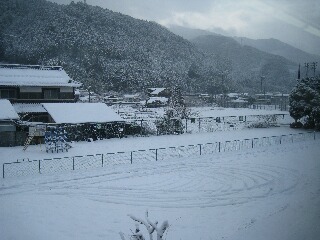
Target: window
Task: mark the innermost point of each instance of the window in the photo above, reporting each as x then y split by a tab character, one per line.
66	95
52	93
30	95
7	93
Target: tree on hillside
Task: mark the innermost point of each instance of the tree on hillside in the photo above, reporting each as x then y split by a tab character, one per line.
304	102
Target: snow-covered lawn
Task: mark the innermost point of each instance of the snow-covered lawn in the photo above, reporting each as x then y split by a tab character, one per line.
263	193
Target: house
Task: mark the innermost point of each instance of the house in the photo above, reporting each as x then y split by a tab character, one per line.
112	99
131	98
36	84
45	97
159	92
238	103
154	102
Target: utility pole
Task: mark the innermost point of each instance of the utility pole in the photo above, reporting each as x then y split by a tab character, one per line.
89	89
314	66
262	80
306	65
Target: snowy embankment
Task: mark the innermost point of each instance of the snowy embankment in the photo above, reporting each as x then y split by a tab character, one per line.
264	193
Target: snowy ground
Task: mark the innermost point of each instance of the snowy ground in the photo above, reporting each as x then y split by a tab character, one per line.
264	193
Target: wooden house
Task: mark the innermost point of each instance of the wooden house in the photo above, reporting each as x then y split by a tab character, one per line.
36	84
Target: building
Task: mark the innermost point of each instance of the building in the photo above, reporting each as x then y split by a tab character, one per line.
159	92
83	121
41	98
8	129
36	84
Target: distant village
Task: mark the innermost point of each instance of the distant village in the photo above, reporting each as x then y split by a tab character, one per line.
34	97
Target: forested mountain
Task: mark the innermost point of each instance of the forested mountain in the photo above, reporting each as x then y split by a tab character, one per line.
277	47
247	64
108	50
112	51
271	46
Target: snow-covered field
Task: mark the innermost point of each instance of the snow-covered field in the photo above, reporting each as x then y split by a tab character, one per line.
263	193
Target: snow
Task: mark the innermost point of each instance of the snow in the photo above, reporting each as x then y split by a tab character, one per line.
81	113
7	111
251	194
35	77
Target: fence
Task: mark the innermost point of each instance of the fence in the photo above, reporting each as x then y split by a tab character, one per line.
53	165
208	124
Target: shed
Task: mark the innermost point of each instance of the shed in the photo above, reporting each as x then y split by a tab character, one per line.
75	113
85	121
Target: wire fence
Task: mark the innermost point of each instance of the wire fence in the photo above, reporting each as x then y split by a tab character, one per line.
67	164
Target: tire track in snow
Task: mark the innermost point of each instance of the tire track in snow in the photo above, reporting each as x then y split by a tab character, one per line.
182	185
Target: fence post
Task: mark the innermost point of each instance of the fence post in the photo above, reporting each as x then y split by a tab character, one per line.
156	154
2	170
199	124
186	124
102	159
39	166
219	146
280	139
252	143
200	148
141	127
131	157
73	163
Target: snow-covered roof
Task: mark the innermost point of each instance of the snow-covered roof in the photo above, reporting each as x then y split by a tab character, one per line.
238	101
81	113
22	75
231	95
160	99
281	95
131	95
7	111
156	90
29	108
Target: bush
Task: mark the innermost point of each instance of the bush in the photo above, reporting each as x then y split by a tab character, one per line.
296	125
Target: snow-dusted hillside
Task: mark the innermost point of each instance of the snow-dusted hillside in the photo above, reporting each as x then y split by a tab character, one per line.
112	51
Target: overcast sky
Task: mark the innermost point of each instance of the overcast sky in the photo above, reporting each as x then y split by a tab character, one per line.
296	22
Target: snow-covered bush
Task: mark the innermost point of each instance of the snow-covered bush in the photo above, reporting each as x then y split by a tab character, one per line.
151	227
265	121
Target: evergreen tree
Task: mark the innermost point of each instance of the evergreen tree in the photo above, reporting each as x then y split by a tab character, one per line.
304	102
177	104
171	123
